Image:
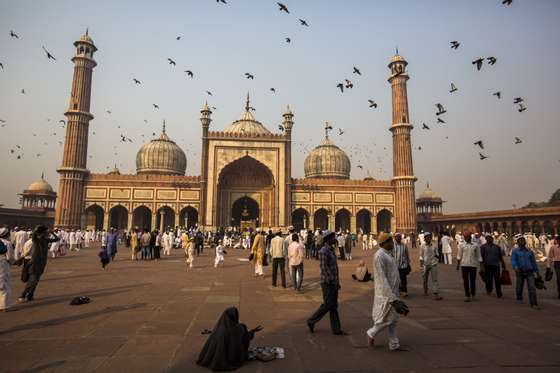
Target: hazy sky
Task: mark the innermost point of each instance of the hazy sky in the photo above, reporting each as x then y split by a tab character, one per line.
220	43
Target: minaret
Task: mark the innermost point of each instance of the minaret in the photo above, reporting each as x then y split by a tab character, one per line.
288	123
73	170
205	120
403	174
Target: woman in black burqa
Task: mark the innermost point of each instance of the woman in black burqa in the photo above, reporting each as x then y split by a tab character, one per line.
227	348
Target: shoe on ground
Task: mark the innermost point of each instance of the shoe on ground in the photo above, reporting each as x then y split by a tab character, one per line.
22	300
371	341
311	327
341	332
401	349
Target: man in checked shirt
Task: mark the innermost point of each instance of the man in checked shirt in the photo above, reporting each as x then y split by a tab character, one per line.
330	285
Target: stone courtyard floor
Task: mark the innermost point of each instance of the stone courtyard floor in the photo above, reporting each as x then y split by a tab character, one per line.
148	317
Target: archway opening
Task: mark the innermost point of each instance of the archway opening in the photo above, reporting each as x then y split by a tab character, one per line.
245	211
384	221
321	219
118	218
300	219
94	217
363	221
165	218
548	227
142	218
188	217
342	220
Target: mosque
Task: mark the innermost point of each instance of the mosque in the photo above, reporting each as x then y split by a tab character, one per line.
245	178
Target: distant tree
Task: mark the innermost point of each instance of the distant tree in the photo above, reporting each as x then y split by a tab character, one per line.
555	198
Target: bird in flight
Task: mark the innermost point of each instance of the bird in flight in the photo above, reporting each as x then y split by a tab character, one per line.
482	156
155	106
281	127
13	34
62	121
249	76
108	111
521	108
341	86
441	109
283	8
189	73
518	100
518	140
497	94
22	91
49	55
491	60
439	120
136	81
303	22
171	62
507	2
340	131
349	84
478	62
453	88
360	167
209	93
479	143
288	40
221	1
356	71
455	44
425	126
272	90
178	38
372	104
2	66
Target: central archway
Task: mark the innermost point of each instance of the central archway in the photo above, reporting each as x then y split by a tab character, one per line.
118	217
245	209
142	218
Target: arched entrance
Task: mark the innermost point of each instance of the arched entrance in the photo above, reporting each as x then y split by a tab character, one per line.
142	218
321	219
188	217
300	219
384	221
245	211
246	177
342	220
168	215
118	217
363	221
94	217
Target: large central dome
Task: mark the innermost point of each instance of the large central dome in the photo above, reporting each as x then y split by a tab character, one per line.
327	161
161	156
247	124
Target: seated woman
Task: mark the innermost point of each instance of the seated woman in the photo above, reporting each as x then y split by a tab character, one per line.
362	274
227	347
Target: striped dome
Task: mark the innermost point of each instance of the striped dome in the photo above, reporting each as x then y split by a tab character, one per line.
161	156
327	161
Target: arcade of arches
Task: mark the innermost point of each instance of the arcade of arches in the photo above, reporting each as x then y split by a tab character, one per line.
343	219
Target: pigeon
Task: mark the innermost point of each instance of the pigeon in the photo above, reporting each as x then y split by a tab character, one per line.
419	148
283	7
425	127
209	93
518	140
356	71
178	38
136	81
303	22
62	121
221	1
455	44
108	111
507	2
171	62
49	55
340	131
272	90
372	104
439	120
360	167
349	84
341	86
13	34
155	106
521	108
1	65
518	100
2	121
491	60
189	73
249	76
22	91
453	88
479	143
281	127
441	109
288	40
497	94
478	62
482	156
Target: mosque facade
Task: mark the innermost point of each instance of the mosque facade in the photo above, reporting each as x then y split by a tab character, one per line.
245	178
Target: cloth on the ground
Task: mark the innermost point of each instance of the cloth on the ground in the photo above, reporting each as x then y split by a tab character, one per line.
227	347
276	351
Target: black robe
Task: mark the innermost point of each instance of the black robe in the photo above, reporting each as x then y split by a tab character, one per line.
227	347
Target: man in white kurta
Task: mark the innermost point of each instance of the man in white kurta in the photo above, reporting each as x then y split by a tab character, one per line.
6	258
386	280
20	238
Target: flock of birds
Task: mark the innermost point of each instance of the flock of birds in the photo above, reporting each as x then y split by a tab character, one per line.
354	151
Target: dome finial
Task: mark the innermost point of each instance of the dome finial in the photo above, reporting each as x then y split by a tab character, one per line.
163	130
43	175
87	31
428	185
397	50
247	103
328	128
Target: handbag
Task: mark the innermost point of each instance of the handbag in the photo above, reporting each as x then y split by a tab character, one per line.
407	270
251	257
505	278
548	274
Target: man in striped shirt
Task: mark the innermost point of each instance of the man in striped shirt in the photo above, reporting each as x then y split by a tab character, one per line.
402	260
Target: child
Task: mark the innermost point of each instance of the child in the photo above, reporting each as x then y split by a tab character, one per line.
219	254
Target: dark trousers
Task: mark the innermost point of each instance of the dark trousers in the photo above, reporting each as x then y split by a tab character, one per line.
491	277
520	278
556	267
469	280
157	250
403	285
342	254
329	305
145	251
198	248
30	287
279	263
297	271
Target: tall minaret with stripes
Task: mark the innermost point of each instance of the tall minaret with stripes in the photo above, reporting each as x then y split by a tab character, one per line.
403	174
73	171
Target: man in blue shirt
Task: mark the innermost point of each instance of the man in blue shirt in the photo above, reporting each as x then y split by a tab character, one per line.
525	266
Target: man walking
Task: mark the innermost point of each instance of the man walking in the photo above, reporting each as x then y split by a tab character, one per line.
295	255
258	253
402	260
330	285
429	262
492	257
278	258
525	266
